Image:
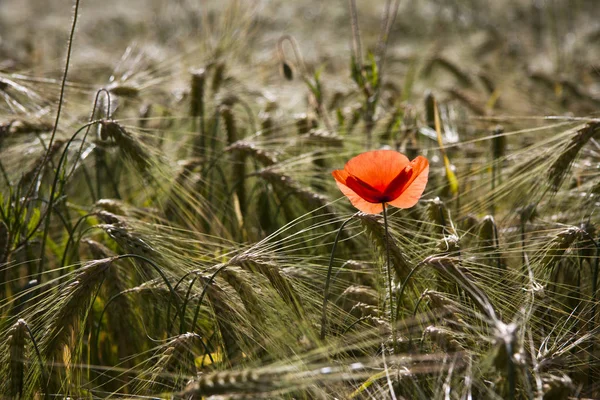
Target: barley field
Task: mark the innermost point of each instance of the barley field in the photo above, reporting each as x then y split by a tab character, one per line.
172	224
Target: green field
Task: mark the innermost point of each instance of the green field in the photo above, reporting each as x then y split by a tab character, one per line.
170	227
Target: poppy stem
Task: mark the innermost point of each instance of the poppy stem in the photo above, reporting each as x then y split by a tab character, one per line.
389	273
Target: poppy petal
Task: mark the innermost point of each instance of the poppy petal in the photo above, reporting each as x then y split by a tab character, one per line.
415	186
359	202
378	168
340	175
365	190
399	184
406	177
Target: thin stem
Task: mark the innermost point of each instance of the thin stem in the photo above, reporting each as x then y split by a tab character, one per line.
71	238
414	315
352	325
60	99
179	282
162	275
296	50
356	42
386	26
99	326
80	151
389	273
404	284
51	200
328	279
204	289
185	302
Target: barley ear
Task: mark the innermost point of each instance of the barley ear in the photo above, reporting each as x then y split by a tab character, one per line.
16	370
375	229
559	169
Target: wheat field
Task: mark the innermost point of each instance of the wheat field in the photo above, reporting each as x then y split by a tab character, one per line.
170	227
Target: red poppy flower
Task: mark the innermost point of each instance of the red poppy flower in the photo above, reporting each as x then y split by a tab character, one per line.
382	176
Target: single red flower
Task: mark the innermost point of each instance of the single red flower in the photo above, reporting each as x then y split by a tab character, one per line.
382	176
